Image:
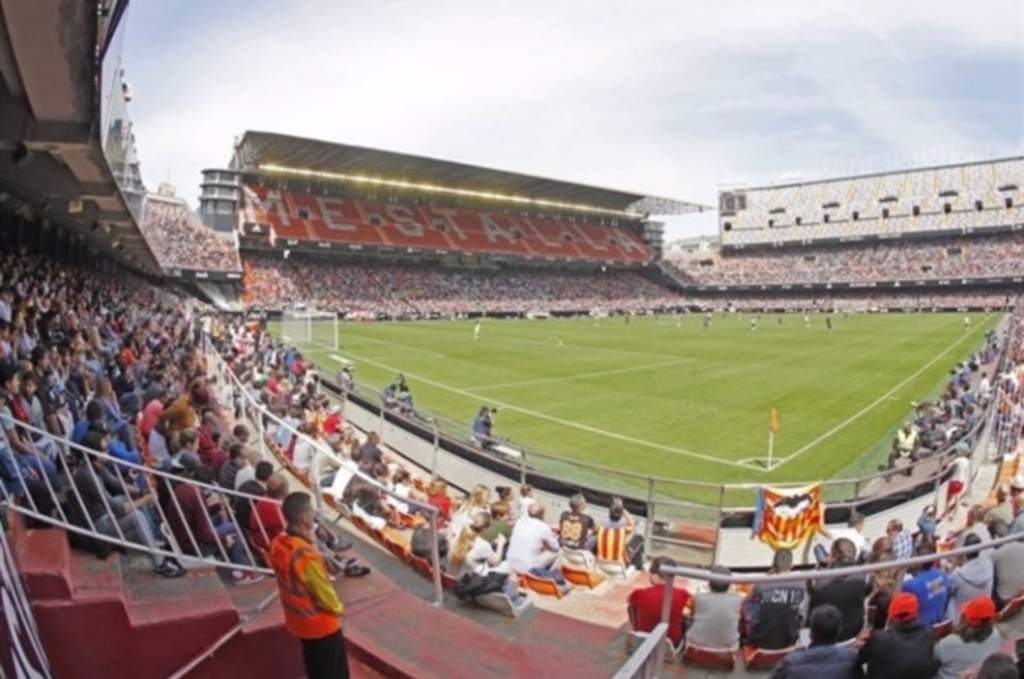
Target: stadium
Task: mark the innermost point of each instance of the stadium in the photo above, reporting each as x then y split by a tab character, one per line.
507	404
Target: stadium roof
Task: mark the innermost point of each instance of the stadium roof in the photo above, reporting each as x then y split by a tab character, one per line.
270	153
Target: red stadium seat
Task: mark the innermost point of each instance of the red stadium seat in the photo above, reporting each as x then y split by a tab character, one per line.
715	658
760	659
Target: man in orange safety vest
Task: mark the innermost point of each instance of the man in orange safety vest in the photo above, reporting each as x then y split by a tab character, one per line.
312	611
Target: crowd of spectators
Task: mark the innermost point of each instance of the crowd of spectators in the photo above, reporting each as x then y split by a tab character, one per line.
103	361
180	241
917	260
392	289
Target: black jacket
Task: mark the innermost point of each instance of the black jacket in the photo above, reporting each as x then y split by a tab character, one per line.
900	652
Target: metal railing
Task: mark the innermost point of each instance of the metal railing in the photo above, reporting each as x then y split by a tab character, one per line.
259	414
648	658
125	498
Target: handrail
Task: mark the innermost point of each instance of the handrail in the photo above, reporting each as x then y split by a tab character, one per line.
648	658
226	637
30	507
318	445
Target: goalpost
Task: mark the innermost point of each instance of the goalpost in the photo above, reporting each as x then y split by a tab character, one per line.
304	327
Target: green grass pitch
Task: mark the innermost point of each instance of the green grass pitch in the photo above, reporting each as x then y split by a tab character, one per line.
675	400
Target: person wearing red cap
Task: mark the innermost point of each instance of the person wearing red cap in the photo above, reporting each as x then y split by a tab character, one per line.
975	639
906	650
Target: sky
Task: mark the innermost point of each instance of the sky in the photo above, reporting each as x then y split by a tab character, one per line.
673	98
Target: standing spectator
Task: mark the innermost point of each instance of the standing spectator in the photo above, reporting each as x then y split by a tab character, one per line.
772	612
884	584
845	593
854	532
961	466
931	587
973	578
823	659
266	521
312	611
905	650
927	523
715	622
575	528
975	639
645	603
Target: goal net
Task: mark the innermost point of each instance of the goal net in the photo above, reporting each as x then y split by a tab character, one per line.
306	328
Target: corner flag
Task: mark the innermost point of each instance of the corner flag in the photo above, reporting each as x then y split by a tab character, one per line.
773	421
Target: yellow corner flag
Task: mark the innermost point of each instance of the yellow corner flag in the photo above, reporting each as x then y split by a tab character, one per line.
773	421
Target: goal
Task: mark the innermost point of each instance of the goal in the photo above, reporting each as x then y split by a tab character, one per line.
307	328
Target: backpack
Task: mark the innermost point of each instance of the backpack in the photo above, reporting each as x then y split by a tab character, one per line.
472	585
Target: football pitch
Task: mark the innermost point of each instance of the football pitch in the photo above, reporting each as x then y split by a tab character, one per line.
666	397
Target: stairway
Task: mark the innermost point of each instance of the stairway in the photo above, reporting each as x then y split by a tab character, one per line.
114	618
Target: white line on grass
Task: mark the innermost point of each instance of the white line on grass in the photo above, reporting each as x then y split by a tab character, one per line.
406	347
488	337
550	418
871	406
581	376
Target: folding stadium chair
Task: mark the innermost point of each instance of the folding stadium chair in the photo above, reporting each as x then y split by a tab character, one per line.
397	548
579	576
1012	607
579	558
545	586
614	569
755	659
502	603
421	565
714	658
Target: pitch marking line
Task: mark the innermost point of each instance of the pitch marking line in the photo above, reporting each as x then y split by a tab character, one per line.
550	418
487	337
871	406
581	376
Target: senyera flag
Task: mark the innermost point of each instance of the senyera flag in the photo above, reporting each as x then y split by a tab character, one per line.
787	517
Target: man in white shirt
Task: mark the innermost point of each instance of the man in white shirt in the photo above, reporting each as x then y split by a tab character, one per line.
533	544
854	532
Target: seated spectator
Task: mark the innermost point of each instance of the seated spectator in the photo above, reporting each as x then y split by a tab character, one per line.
902	541
437	496
18	439
975	639
973	578
645	603
370	452
194	518
525	500
823	659
772	612
854	532
1008	565
533	544
479	501
931	587
998	666
256	487
472	553
237	460
904	650
575	528
846	593
615	539
112	512
884	585
499	523
1003	508
421	545
715	619
266	521
928	523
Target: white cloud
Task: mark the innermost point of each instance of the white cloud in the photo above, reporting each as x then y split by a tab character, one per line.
662	96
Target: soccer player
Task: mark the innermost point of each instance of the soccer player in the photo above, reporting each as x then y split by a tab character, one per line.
828	323
476	331
967	323
807	321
